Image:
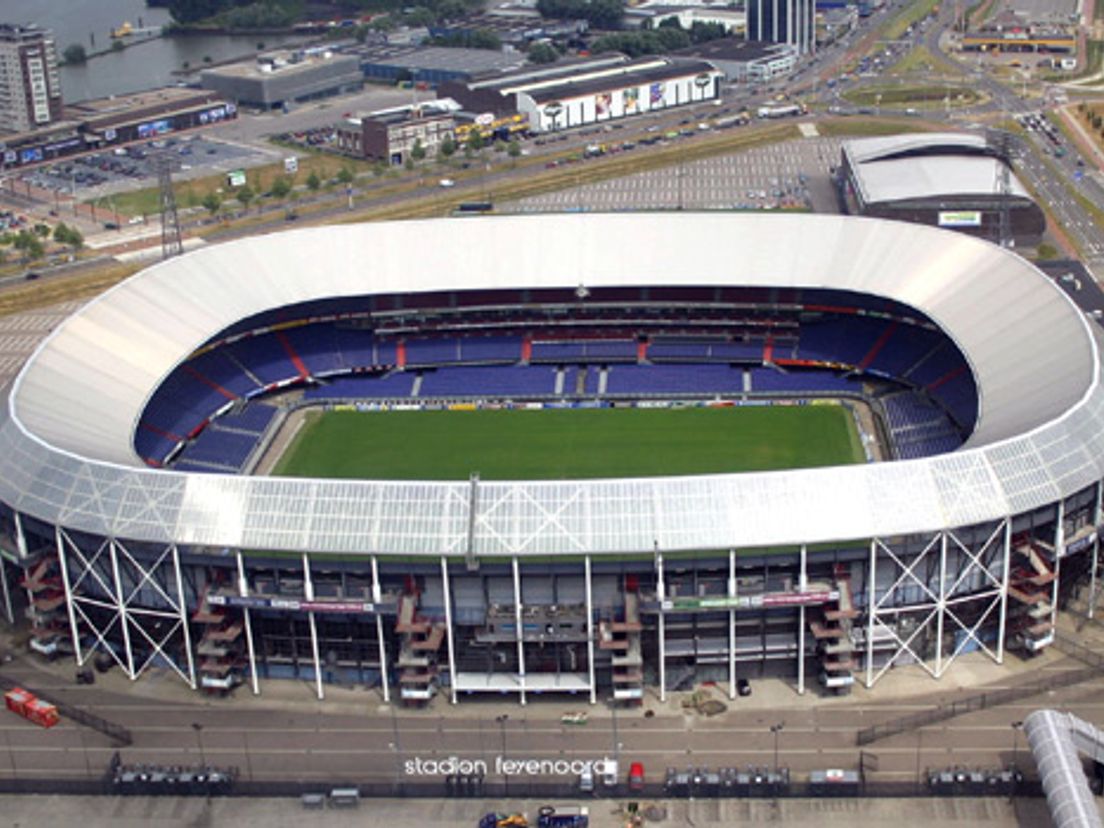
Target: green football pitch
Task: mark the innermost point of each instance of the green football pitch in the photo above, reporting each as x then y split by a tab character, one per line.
569	444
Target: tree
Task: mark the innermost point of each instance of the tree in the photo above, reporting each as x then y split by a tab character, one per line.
475	140
74	53
514	148
43	230
446	149
281	187
211	203
313	181
71	236
345	175
245	195
543	53
27	242
192	11
418	151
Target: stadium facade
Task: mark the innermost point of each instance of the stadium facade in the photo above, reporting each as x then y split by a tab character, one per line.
130	533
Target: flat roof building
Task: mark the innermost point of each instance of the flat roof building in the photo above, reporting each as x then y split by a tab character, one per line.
576	93
391	135
746	61
30	89
955	180
433	65
278	79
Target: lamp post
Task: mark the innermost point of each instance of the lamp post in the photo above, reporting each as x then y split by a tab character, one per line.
776	729
198	728
502	727
1015	741
1016	726
248	760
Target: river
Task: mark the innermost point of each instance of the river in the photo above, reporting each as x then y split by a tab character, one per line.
143	66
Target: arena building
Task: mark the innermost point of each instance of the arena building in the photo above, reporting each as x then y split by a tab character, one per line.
136	522
954	180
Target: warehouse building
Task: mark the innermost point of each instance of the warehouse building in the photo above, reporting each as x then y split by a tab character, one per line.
578	93
954	180
279	79
433	65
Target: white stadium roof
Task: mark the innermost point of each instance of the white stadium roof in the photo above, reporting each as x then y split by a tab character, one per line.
903	179
66	452
899	167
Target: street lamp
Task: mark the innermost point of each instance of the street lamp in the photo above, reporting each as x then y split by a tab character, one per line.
776	729
1015	769
502	727
198	728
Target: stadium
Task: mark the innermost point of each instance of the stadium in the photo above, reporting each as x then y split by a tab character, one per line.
605	455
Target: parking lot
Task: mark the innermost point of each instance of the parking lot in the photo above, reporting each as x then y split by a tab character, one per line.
110	171
791	175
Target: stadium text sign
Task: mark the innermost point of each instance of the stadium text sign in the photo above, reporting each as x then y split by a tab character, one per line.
505	766
960	218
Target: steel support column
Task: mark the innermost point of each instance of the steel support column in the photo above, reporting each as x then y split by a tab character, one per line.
871	613
183	608
519	628
1059	552
732	624
7	595
941	605
20	538
377	599
802	585
590	628
1005	574
1095	549
124	622
446	591
243	591
308	593
77	654
661	595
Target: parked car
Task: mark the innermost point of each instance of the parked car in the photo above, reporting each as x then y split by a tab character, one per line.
636	777
743	687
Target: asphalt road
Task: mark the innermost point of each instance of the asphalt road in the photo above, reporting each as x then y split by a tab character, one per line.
367	741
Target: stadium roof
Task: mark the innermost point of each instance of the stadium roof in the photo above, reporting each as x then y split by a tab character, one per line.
933	177
880	147
926	165
66	451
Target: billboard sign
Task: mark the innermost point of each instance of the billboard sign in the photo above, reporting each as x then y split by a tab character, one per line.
235	178
291	165
960	218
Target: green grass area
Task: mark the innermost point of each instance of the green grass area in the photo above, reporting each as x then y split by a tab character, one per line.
570	444
919	95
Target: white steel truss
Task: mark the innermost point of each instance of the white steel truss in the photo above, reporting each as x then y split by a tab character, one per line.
151	628
943	605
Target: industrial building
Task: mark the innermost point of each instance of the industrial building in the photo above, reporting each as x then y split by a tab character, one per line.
591	90
131	528
955	180
792	22
119	119
30	88
279	79
433	65
746	61
391	135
